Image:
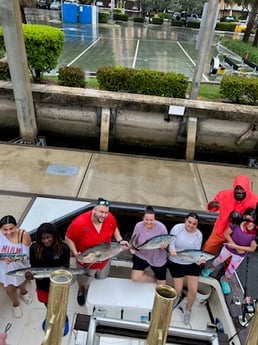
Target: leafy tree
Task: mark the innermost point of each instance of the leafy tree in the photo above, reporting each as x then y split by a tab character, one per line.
43	47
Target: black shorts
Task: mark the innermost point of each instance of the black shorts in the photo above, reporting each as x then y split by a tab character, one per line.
179	271
140	265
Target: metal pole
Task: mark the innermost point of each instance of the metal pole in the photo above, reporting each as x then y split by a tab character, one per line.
252	338
161	314
60	282
10	18
208	31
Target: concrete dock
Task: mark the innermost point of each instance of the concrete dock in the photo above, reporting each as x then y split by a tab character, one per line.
27	172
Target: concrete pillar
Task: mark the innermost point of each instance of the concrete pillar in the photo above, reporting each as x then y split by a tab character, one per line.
191	138
104	129
10	19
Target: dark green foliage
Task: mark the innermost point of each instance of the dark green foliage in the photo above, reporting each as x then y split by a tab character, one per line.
4	71
177	23
142	81
120	16
240	89
71	76
193	24
224	26
157	20
138	19
43	46
103	17
241	48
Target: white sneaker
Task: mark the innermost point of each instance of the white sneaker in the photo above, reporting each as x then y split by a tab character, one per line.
187	316
27	298
17	311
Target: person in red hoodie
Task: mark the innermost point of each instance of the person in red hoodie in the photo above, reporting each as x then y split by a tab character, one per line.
237	199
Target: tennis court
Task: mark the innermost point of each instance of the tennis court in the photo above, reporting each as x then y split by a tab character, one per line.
158	47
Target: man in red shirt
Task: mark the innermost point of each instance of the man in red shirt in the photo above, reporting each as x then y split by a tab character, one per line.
237	199
88	230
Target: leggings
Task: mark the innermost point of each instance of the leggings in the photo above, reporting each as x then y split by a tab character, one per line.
234	262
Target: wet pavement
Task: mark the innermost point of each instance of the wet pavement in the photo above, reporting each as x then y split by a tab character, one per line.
163	47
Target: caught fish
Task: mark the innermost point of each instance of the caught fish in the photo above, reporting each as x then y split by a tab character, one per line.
101	252
13	256
155	242
194	255
44	272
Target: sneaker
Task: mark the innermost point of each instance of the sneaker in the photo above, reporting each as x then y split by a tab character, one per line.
206	272
187	317
66	326
81	297
225	286
17	311
27	298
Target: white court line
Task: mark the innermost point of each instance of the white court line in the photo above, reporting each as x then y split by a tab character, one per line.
83	52
189	57
136	53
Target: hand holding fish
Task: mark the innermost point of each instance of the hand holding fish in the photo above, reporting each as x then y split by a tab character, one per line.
29	275
173	252
163	245
88	259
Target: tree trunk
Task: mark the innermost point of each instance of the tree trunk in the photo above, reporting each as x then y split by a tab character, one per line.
251	20
255	42
24	21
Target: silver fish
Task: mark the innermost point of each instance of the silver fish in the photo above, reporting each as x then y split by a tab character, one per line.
155	242
101	252
194	255
13	256
44	272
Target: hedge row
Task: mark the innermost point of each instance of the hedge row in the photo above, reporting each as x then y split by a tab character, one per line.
142	81
240	89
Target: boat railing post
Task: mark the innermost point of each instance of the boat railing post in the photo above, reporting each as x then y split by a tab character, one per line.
161	315
60	281
252	338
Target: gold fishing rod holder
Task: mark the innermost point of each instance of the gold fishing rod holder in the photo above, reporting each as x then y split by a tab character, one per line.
60	281
161	315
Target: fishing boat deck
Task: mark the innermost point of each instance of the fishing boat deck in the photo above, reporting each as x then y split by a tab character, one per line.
35	181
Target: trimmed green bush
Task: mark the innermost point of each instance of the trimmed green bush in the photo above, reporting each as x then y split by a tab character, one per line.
103	17
177	23
224	26
195	25
4	71
157	21
43	47
138	19
240	89
120	16
71	76
142	81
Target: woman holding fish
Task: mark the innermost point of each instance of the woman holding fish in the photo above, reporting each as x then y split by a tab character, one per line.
48	250
188	236
16	243
149	249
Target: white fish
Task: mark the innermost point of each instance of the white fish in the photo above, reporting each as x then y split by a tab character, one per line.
155	242
194	255
101	252
44	272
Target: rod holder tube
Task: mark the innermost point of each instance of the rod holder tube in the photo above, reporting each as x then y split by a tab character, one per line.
60	281
161	315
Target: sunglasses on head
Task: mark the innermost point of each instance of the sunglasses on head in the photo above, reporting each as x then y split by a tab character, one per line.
103	202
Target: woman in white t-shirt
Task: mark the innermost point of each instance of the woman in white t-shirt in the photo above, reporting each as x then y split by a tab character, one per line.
188	236
14	241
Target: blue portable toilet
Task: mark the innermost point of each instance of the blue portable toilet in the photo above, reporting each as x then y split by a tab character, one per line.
70	13
88	14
